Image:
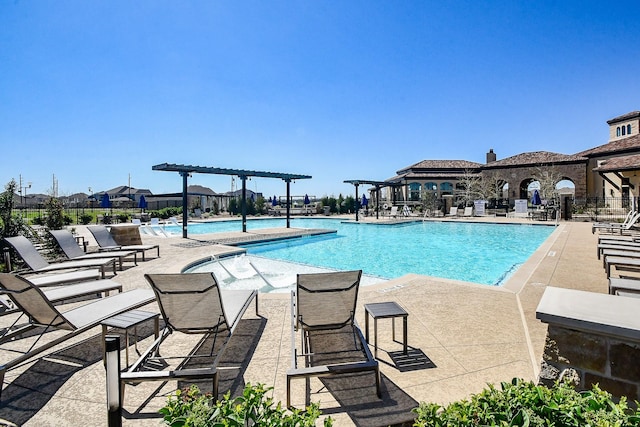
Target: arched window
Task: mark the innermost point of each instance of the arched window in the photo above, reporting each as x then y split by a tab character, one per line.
628	129
618	131
624	130
446	188
414	191
430	186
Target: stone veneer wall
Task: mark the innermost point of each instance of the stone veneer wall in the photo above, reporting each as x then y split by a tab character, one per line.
126	234
592	358
592	338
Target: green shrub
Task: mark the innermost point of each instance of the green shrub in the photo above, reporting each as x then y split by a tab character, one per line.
123	217
190	408
523	403
86	218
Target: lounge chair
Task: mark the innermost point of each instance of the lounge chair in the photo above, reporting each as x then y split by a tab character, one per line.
468	211
42	313
70	247
191	303
43	280
624	286
71	291
393	213
156	228
621	263
106	242
617	246
238	267
613	227
38	264
453	211
406	211
323	309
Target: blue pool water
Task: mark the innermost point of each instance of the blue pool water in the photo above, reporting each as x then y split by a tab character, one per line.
473	252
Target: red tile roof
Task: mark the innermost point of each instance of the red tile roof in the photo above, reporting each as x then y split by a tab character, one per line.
630	143
535	158
619	164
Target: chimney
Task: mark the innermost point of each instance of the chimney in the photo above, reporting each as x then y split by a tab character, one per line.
491	156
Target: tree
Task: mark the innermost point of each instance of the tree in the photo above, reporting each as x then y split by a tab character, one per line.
491	186
470	187
548	177
11	225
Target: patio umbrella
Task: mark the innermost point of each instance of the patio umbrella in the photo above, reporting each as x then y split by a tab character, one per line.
274	201
535	200
105	202
306	199
364	201
142	203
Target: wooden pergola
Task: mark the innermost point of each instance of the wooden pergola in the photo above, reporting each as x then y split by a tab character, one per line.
186	170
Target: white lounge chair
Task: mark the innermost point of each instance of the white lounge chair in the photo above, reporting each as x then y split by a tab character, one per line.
468	211
453	211
612	227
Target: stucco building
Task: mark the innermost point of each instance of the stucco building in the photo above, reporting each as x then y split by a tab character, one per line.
611	170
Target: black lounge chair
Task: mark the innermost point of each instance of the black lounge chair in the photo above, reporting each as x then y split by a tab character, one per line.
323	312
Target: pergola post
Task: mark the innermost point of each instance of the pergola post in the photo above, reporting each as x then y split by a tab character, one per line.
356	204
288	181
185	213
244	203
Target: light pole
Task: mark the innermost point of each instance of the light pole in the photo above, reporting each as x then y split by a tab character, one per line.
23	192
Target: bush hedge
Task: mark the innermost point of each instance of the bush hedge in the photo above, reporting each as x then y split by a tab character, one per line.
522	403
190	408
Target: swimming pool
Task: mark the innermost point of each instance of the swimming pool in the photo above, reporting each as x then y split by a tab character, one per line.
473	252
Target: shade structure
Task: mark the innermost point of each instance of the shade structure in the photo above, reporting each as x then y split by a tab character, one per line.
142	203
104	201
535	200
364	201
306	199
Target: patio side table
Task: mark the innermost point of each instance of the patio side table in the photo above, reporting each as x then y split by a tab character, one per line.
385	310
127	320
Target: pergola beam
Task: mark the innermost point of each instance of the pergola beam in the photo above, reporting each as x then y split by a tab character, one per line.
186	170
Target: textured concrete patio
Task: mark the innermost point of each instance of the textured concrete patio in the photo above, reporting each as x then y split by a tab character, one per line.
467	334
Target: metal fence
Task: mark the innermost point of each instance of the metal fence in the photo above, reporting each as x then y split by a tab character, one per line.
573	209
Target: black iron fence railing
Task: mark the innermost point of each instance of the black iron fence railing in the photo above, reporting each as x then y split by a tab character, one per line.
576	209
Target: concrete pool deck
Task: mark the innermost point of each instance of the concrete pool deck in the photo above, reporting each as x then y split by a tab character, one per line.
464	335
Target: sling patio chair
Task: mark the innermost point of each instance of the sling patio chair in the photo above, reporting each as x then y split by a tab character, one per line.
59	278
36	262
191	303
73	251
323	309
71	291
106	242
41	313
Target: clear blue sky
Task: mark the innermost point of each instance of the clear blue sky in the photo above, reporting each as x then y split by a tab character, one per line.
96	91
